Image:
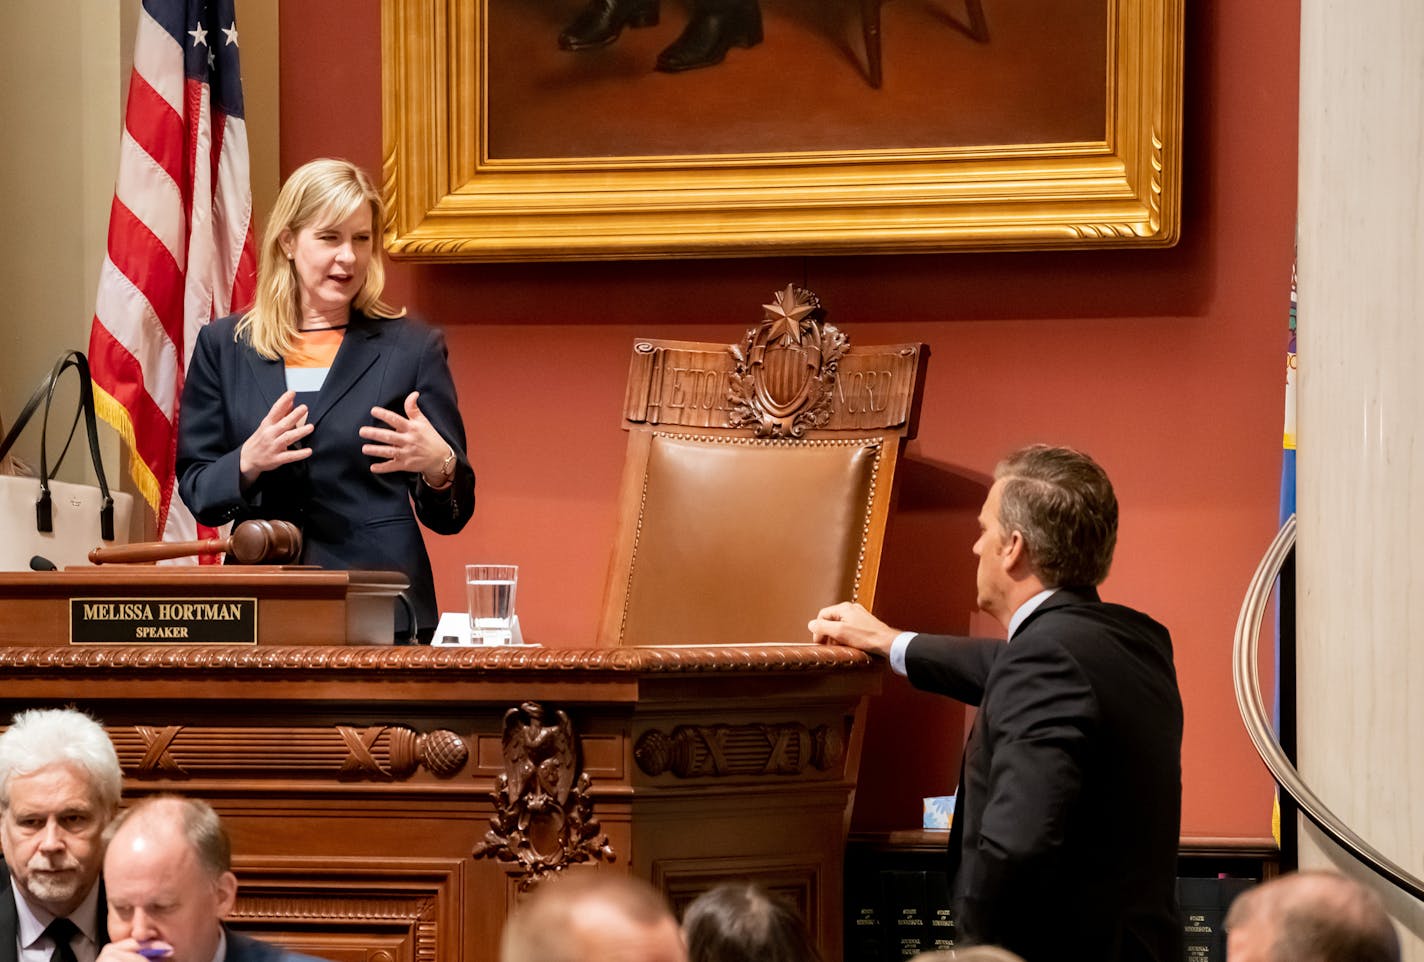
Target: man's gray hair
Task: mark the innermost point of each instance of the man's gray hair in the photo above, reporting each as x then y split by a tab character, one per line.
1062	502
42	737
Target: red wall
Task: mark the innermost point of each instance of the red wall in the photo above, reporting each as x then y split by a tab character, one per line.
1166	365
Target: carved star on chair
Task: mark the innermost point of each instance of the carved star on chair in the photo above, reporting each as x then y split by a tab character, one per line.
786	313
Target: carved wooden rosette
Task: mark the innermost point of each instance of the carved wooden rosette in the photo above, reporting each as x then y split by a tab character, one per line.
702	751
543	807
786	368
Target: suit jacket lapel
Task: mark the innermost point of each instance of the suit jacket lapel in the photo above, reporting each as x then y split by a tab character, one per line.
103	909
359	350
271	376
9	918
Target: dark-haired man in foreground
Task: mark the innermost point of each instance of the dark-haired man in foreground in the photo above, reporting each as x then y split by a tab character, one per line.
1067	821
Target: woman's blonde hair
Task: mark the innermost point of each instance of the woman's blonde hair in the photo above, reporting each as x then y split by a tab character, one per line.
318	193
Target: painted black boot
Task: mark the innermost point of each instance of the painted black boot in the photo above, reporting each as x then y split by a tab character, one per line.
600	23
715	27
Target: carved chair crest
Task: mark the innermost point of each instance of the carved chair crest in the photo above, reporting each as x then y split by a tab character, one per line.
786	368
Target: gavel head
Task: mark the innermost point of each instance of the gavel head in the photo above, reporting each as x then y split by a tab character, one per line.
260	542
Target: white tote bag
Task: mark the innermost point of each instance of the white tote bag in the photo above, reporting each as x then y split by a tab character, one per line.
44	522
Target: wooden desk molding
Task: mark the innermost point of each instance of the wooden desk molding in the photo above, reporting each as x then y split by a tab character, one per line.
391	804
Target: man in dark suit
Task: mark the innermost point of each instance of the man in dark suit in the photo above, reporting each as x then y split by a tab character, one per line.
168	872
59	787
1067	821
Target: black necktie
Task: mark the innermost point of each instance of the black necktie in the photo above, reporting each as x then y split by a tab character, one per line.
62	932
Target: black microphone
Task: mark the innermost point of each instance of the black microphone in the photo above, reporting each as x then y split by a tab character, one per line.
38	563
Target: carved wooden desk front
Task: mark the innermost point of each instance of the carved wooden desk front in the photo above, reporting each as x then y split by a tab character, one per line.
389	804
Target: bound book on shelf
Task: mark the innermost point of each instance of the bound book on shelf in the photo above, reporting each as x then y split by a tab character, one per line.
865	938
906	912
1204	903
941	917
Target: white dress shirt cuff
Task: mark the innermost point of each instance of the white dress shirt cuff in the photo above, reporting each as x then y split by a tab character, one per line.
897	652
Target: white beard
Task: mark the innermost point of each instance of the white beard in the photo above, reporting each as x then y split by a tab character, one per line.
49	888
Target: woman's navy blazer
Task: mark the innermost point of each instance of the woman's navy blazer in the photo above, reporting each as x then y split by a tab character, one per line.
349	517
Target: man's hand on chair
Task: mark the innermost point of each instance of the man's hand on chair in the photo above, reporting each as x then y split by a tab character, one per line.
849	624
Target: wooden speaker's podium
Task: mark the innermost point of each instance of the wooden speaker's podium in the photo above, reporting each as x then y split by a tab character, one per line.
392	803
215	604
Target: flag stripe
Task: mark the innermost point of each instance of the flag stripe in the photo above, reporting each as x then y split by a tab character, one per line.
148	265
244	277
156	128
232	212
199	139
127	319
146	189
158	56
219	127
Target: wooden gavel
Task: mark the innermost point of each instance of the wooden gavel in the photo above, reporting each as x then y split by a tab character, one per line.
254	542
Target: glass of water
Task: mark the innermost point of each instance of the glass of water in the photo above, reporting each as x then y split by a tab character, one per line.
490	590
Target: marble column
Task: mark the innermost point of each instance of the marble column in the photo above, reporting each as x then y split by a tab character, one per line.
1360	556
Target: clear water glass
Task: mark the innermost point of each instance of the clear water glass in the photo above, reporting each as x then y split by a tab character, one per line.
490	592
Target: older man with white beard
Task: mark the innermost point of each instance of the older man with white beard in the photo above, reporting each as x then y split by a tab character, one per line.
59	788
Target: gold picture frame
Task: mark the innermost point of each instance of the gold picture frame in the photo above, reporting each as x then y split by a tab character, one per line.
447	200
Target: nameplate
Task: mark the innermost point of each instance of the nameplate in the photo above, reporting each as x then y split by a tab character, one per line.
180	621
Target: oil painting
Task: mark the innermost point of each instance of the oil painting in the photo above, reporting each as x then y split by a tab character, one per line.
597	129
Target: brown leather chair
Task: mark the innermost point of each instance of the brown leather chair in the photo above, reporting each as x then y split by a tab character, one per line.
758	480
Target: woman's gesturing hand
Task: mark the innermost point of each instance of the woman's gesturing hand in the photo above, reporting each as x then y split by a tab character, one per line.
270	446
409	443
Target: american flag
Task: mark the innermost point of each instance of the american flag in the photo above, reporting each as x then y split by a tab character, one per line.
180	249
